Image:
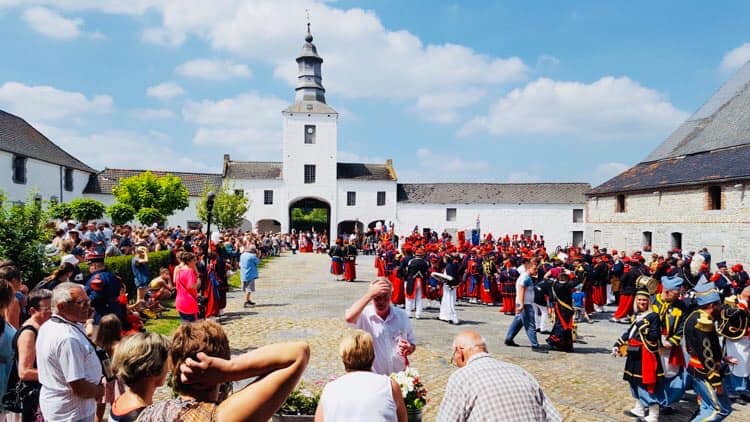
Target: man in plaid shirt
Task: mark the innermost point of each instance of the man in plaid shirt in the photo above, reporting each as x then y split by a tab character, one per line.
486	389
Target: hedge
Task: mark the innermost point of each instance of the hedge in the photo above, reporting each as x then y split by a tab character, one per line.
120	265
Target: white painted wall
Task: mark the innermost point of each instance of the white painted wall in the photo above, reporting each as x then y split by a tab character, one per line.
254	191
554	222
41	177
724	232
366	209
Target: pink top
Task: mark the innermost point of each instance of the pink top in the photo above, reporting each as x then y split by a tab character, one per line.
187	295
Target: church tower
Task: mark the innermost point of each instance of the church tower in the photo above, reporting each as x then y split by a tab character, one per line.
310	134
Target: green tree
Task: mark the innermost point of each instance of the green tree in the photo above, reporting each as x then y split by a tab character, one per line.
149	216
146	190
85	209
120	213
23	236
229	208
60	211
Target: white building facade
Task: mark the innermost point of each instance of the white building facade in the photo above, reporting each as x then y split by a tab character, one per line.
351	196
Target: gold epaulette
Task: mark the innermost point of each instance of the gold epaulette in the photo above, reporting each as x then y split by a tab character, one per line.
704	322
731	301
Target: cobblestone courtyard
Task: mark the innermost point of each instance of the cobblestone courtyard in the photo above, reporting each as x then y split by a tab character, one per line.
298	299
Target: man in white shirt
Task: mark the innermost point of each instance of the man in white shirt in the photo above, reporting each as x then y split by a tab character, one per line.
389	326
69	370
524	309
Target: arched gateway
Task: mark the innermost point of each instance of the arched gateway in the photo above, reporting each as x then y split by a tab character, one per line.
306	214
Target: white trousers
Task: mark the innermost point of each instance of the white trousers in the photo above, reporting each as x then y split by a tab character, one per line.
541	317
415	305
448	305
610	294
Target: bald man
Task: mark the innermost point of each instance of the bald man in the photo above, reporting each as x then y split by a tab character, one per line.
480	389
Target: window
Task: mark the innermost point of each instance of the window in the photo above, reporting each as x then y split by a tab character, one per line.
309	173
381	199
677	240
714	197
578	215
646	240
309	134
239	192
69	180
351	199
450	214
620	203
577	238
527	233
267	197
19	169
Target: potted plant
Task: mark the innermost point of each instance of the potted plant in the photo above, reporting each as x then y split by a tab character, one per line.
299	406
413	391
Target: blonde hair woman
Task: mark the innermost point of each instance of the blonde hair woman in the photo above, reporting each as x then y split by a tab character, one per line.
360	394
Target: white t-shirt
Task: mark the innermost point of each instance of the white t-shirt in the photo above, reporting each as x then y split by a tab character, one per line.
385	334
524	280
359	396
64	355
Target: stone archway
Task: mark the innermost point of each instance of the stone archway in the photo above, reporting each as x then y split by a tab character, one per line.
308	214
348	227
268	225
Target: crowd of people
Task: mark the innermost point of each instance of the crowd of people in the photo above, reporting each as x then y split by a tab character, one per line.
71	346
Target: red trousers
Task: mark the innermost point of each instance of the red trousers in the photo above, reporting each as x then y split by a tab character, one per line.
625	308
350	271
397	296
600	295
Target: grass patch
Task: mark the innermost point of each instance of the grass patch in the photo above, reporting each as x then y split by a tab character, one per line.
167	323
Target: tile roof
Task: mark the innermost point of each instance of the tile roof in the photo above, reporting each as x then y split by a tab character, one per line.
712	145
710	167
248	170
492	193
363	171
19	137
104	181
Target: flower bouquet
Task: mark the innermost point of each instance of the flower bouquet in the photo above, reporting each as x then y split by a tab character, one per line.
299	406
413	391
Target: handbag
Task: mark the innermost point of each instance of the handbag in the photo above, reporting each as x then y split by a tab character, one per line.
20	395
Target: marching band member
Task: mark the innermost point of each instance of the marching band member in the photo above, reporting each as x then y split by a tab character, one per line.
337	259
734	327
417	269
706	355
672	313
640	344
349	253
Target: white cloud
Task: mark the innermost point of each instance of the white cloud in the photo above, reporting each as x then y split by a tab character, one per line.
249	123
735	59
217	70
546	63
124	149
606	171
52	24
45	103
153	113
448	163
129	7
442	107
353	157
165	91
610	108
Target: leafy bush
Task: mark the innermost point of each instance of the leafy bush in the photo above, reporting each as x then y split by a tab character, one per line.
22	238
120	213
85	209
60	211
149	216
120	265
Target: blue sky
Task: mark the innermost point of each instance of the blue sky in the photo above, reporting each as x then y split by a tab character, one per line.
452	91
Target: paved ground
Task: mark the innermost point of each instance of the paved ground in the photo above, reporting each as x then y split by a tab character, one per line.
298	299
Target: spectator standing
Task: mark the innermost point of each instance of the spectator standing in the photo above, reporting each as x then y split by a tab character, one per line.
40	309
524	310
107	338
60	275
187	285
69	370
388	325
360	394
486	389
248	272
13	311
141	273
7	332
140	362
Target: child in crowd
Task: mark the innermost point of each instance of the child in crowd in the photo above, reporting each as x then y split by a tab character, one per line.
578	298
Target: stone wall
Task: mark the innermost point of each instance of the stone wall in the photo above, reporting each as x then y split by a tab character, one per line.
666	213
